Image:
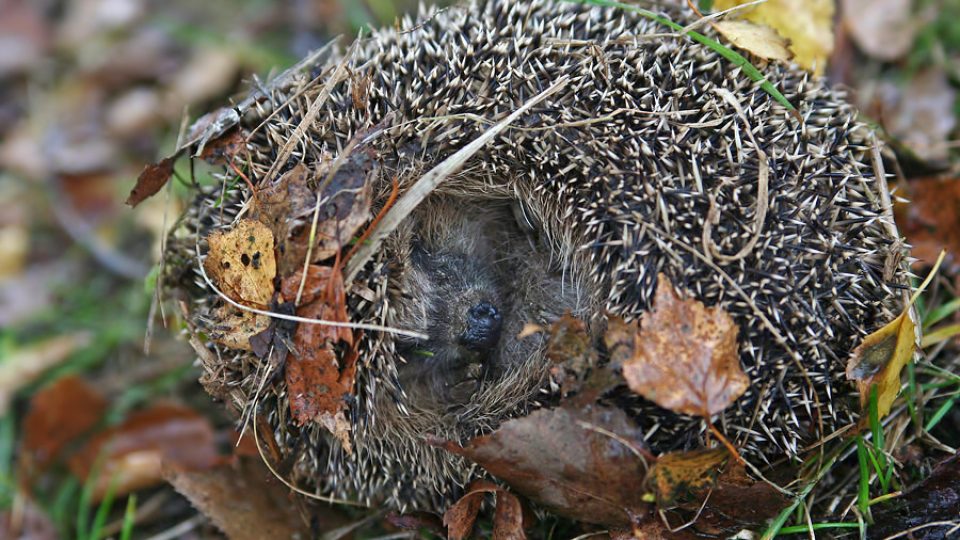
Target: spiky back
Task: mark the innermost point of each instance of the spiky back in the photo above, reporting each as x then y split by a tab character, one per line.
619	170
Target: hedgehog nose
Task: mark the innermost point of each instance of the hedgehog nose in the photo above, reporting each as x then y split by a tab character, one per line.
483	327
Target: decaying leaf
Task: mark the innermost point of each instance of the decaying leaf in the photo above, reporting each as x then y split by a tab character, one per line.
223	148
287	200
571	350
59	414
23	366
151	180
738	500
758	39
234	327
241	262
806	24
317	383
346	207
246	502
676	475
593	472
880	357
934	499
130	455
507	519
685	356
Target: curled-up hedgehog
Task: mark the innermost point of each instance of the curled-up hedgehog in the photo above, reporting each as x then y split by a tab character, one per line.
651	155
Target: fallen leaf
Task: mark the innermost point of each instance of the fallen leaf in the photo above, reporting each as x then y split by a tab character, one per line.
570	348
738	501
934	499
245	501
151	180
920	114
759	39
317	384
507	519
931	220
23	366
806	24
677	475
130	455
282	203
241	262
883	29
685	356
224	147
880	357
59	414
593	471
233	328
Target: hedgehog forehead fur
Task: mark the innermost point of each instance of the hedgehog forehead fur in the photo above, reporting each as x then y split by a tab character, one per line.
578	206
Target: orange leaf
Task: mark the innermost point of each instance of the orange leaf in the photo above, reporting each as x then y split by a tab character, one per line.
317	383
685	357
151	180
241	262
58	415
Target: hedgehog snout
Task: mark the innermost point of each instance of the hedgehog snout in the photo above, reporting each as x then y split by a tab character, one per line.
483	324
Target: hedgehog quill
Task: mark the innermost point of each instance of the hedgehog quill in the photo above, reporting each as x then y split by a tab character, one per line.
656	156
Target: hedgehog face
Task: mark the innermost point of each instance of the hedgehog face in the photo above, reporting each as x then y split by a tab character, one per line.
463	304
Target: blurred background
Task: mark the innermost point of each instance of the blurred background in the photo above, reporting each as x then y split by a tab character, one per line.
92	90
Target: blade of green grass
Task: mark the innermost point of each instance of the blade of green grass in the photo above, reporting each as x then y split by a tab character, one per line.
729	54
941	312
940	334
129	517
102	511
8	430
795	529
941	412
877	455
863	495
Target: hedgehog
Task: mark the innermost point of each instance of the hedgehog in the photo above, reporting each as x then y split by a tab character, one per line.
651	156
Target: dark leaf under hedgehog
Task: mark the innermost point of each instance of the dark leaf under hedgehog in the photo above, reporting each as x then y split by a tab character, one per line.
630	154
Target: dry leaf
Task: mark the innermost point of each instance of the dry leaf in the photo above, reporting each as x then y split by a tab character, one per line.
571	350
920	114
883	29
151	180
679	474
758	39
508	513
685	357
806	24
241	262
347	206
234	327
318	385
246	502
281	203
592	472
880	357
933	499
224	147
130	455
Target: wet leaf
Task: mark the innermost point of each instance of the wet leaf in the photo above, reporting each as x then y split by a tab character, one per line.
806	24
590	472
131	454
678	475
241	262
738	500
507	519
685	356
60	414
317	383
934	499
245	501
880	357
151	180
883	29
759	39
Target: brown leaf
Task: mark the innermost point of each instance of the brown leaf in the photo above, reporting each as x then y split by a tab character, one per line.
151	180
59	414
507	519
234	327
933	499
348	203
677	475
130	455
738	500
224	147
282	203
241	262
23	366
587	474
931	220
246	502
685	357
570	348
317	384
920	114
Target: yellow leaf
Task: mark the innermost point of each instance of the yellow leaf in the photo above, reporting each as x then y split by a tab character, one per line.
241	262
806	24
759	39
880	357
683	473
